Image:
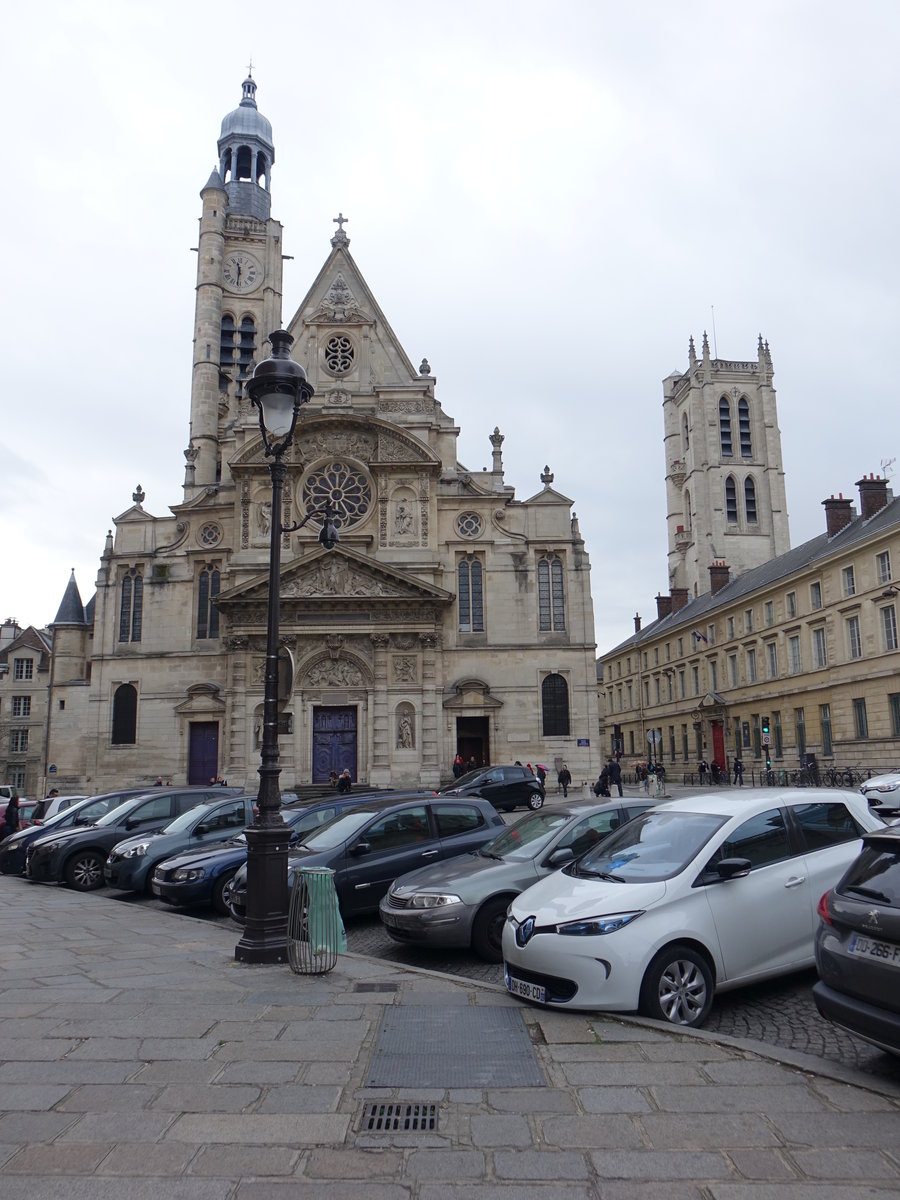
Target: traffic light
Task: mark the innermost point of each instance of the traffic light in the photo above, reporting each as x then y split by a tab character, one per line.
766	742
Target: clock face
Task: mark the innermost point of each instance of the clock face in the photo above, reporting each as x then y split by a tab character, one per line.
242	272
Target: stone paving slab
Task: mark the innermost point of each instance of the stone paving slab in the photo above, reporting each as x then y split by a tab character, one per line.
147	1063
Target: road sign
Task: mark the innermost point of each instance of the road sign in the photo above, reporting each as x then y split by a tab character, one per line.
766	739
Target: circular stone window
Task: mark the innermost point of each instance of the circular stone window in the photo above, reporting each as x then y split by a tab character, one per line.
339	354
346	487
469	524
209	535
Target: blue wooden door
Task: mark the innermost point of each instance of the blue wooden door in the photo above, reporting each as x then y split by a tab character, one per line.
334	742
203	752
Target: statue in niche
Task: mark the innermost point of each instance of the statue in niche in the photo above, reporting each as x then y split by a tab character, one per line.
403	521
264	517
405	733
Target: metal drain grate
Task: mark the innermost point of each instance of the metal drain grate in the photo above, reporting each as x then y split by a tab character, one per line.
376	986
404	1118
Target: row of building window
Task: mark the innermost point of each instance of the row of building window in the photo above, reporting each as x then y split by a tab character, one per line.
237	345
726	429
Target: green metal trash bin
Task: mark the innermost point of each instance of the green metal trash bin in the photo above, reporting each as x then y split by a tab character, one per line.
315	932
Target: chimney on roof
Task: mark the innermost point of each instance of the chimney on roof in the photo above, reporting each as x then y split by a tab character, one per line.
637	622
838	514
663	605
719	574
873	495
679	598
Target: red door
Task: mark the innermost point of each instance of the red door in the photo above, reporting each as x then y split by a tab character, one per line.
718	732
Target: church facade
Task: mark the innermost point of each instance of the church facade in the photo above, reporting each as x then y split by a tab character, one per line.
451	618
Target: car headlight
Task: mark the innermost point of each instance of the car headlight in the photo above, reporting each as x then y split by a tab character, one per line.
137	851
595	926
887	787
433	900
187	874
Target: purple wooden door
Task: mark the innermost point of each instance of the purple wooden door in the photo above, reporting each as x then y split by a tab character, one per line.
203	751
334	742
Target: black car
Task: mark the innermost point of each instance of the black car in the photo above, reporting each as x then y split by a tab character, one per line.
858	944
369	846
83	812
505	787
77	856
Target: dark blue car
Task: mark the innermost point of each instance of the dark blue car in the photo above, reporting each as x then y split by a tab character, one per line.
85	812
203	876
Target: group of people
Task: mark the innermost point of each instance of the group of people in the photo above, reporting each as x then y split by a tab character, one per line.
461	765
342	783
610	777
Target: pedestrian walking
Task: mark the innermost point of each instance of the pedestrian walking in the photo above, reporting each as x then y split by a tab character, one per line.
564	779
615	775
660	780
738	771
10	823
702	768
649	777
541	773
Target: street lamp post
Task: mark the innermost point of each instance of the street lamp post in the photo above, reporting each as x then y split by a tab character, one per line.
277	389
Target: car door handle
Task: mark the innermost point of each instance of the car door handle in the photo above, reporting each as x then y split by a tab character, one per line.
430	853
795	881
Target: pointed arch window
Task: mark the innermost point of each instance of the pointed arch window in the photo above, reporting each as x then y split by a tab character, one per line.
744	428
555	706
725	427
247	345
207	613
685	433
470	595
750	501
124	715
226	342
731	514
131	607
551	595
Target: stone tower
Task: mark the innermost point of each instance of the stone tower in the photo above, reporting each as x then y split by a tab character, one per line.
725	497
239	287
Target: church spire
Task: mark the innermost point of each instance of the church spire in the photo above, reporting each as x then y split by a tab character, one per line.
246	155
71	610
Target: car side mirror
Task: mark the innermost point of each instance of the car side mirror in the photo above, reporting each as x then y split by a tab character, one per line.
200	830
361	848
733	868
563	855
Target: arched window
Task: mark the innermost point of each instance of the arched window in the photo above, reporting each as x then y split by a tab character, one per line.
687	509
685	433
247	345
730	500
725	427
750	500
207	613
470	595
551	595
124	718
744	428
131	607
226	342
555	706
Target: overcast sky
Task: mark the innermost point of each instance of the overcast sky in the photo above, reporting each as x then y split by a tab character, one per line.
547	199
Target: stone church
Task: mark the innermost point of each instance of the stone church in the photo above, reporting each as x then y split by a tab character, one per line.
451	618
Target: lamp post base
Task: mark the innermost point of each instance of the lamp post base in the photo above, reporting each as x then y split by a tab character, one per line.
265	933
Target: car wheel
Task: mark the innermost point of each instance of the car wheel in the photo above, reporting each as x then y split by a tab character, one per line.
487	929
221	895
84	872
678	987
535	801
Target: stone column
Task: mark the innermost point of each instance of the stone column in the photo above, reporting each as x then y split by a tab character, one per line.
431	762
236	752
381	745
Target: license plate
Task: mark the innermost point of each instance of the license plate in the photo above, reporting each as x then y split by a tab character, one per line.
155	888
867	947
528	991
389	919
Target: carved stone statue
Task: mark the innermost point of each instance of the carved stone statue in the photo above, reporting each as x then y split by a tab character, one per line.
404	733
264	517
403	522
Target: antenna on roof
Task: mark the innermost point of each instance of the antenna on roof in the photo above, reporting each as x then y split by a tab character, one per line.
886	464
712	309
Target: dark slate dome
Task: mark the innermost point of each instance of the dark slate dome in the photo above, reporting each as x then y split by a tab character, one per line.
246	121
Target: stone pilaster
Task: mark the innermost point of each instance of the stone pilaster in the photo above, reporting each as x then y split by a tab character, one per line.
431	761
381	745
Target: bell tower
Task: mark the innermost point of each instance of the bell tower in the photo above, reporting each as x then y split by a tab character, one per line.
239	288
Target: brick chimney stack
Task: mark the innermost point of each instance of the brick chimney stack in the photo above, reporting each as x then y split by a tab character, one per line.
838	513
872	495
719	575
663	605
679	598
637	622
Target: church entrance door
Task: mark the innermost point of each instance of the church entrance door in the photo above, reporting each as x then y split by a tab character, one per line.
334	742
203	752
473	739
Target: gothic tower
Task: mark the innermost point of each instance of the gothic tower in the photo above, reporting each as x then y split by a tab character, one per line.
239	287
725	497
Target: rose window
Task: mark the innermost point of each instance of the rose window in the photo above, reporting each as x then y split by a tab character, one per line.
339	354
469	524
344	486
209	535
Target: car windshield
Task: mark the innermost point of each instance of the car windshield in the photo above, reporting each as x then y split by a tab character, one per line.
656	845
463	781
527	837
338	830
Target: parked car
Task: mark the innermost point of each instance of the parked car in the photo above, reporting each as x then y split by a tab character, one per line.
506	787
369	846
203	876
131	862
697	895
83	812
48	807
463	900
7	791
77	856
26	812
883	789
858	945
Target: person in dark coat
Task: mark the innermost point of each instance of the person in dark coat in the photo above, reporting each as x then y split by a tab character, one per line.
10	818
702	768
615	775
564	779
601	787
345	783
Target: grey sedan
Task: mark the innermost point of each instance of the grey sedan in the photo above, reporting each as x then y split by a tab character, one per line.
462	901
